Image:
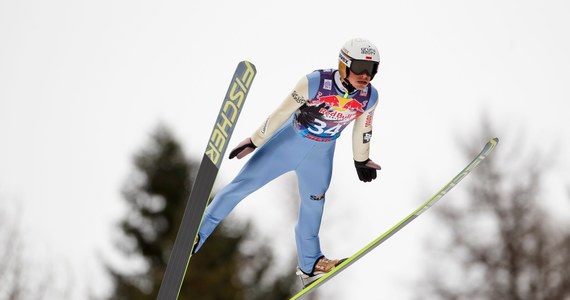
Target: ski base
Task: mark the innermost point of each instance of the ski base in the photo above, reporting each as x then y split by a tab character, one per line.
205	178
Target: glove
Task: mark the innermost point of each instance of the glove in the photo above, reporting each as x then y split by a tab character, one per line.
366	170
308	114
244	148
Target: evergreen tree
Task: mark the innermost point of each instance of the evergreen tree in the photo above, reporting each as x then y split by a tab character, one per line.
156	195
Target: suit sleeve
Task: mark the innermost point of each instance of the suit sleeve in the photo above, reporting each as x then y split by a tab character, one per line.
277	118
362	134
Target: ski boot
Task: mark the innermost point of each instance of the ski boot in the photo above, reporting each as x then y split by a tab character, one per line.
196	241
322	266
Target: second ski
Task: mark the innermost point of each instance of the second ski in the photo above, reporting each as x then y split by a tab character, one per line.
487	149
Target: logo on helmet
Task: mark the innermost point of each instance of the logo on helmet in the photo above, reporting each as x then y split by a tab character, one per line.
367	51
343	58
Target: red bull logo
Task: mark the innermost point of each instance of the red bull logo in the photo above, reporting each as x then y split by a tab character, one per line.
353	105
341	104
330	101
338	108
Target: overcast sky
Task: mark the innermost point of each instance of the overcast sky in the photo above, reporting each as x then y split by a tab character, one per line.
84	83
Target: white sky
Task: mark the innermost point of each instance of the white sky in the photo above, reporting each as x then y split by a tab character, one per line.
83	84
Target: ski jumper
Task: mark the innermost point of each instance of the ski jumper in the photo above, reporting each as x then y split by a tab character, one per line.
300	136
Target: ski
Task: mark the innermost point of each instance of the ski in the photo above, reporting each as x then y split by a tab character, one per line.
487	149
211	161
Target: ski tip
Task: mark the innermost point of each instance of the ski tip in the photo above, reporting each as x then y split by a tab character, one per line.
247	63
492	143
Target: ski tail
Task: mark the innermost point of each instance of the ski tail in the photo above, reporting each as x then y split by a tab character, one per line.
487	149
205	178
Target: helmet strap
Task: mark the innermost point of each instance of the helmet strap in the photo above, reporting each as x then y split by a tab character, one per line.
349	87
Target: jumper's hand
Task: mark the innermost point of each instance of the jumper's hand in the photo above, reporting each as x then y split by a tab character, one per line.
309	114
366	170
244	148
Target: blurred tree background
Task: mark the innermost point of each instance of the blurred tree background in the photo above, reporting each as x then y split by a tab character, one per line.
156	194
21	275
495	239
499	241
12	273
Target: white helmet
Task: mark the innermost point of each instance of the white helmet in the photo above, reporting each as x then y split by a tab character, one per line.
359	56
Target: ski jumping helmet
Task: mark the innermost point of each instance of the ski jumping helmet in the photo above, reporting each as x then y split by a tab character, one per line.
358	56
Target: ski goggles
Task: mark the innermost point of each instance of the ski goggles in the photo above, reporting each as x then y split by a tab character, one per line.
359	67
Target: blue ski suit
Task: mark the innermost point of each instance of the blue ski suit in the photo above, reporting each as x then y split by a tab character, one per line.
300	136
